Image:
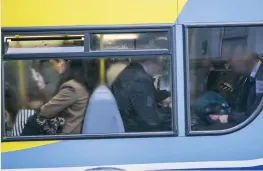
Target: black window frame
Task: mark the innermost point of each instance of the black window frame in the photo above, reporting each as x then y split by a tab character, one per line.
236	128
88	54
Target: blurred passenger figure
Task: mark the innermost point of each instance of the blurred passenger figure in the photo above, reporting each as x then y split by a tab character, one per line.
11	108
247	96
210	109
135	95
72	97
38	93
34	102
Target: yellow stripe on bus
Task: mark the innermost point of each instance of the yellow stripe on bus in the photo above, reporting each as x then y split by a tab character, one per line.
26	13
14	146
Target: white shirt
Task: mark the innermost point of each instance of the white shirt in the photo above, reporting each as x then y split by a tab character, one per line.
255	69
21	120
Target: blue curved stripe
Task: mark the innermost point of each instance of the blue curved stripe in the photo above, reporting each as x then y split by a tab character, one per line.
235	168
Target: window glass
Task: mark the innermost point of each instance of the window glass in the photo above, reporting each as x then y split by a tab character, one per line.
129	41
44	43
42	94
225	76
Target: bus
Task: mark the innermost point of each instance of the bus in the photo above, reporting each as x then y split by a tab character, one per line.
194	37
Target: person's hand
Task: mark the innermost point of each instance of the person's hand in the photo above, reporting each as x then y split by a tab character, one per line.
214	117
226	87
222	118
167	101
37	77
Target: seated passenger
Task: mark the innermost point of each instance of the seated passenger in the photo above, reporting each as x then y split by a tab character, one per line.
135	95
33	103
72	97
211	108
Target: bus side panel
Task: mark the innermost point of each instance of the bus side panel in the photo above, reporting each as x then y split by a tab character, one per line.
245	144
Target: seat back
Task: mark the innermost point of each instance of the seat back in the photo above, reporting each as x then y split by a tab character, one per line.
102	113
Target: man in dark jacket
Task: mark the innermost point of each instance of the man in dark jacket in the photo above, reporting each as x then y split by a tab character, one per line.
135	94
248	94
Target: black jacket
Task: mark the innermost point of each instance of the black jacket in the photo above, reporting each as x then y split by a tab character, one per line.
247	97
135	95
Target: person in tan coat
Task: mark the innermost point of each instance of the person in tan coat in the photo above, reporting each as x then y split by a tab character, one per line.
72	97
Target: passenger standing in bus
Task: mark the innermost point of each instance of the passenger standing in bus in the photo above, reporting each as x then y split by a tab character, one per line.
11	108
72	97
247	96
135	95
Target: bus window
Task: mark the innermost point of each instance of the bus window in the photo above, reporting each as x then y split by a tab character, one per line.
225	75
71	94
129	41
40	43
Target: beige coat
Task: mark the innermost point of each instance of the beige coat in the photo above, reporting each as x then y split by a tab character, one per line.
70	102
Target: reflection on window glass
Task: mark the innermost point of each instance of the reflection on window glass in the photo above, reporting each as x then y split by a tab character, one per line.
59	96
225	75
129	41
44	44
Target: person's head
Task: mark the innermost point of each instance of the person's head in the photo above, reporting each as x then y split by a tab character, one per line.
59	65
238	60
85	72
34	99
153	66
238	64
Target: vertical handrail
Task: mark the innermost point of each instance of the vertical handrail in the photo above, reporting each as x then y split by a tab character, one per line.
21	79
102	63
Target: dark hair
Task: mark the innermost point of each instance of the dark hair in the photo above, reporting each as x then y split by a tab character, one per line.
34	93
82	71
12	104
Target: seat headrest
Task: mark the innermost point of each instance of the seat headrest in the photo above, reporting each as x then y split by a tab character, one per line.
102	93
